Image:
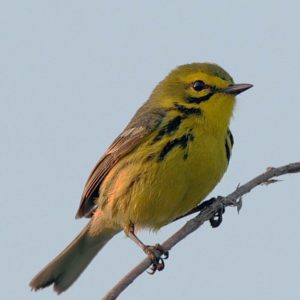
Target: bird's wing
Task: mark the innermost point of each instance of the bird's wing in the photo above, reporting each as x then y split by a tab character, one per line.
145	121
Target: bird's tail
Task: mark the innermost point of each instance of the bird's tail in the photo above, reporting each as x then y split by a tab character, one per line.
64	269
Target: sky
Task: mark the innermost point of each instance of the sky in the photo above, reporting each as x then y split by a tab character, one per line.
72	75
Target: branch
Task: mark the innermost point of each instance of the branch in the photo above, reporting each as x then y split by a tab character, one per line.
233	199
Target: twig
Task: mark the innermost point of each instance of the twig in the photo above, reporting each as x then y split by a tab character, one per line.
233	199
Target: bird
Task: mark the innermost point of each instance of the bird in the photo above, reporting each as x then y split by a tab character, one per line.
170	156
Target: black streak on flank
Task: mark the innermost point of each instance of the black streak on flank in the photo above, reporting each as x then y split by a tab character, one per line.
230	137
150	157
227	150
172	126
182	142
188	111
199	99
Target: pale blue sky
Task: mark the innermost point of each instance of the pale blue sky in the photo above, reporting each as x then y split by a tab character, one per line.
72	75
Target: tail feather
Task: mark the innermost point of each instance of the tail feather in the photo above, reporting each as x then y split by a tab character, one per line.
64	269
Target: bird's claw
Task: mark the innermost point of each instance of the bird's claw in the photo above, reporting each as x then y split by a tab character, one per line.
164	253
217	219
157	254
157	265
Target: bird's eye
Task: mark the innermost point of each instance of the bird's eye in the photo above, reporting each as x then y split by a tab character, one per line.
198	85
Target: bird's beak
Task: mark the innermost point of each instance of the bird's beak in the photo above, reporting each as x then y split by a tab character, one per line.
235	89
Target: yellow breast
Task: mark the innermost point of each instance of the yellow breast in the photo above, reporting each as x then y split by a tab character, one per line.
165	178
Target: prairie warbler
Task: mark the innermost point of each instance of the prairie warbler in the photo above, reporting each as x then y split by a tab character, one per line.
170	156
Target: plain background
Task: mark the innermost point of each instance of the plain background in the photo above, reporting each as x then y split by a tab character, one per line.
72	75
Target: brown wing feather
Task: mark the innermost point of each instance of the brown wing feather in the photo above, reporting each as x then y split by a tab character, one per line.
144	122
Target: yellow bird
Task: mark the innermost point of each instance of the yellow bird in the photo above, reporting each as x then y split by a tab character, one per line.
170	156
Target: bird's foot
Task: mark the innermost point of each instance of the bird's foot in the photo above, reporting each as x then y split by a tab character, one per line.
157	254
217	219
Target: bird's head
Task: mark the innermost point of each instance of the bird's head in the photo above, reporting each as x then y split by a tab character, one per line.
205	86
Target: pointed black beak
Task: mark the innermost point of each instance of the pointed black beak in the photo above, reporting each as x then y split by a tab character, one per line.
235	89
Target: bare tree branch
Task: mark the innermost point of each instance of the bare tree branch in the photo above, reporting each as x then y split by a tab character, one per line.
233	199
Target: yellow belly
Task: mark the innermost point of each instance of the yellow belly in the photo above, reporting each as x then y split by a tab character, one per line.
151	193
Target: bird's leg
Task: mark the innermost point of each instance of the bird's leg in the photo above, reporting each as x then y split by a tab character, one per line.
154	252
215	221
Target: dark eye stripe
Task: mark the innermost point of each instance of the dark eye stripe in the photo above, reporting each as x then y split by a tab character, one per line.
198	99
